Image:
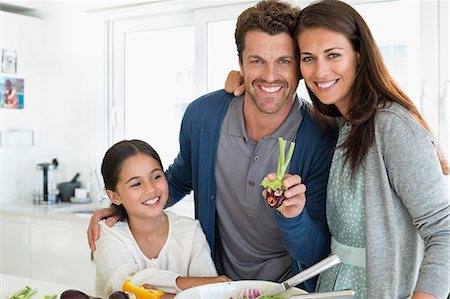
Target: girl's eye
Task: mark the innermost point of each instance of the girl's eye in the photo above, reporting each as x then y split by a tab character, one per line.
307	59
137	184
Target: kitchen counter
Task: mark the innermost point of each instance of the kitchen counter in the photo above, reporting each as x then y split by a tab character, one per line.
73	212
10	284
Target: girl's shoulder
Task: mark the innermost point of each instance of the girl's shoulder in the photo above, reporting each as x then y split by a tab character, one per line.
119	230
182	226
180	219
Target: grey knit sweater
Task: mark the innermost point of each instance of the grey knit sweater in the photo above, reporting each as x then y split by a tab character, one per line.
407	210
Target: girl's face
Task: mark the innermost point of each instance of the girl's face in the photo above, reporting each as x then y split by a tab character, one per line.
142	187
328	65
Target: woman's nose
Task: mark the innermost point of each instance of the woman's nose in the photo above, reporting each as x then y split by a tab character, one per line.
322	68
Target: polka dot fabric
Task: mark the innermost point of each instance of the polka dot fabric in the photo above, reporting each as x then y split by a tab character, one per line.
345	215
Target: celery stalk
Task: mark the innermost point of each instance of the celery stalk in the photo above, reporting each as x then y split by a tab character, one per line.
283	163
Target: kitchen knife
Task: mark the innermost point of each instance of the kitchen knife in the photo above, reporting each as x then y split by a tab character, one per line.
332	294
306	274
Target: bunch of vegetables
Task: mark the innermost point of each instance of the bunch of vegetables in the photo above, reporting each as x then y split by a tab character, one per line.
275	189
141	292
27	292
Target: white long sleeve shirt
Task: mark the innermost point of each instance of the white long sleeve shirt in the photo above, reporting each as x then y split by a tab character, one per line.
118	257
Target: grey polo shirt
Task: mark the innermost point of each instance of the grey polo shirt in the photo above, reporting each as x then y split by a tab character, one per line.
249	245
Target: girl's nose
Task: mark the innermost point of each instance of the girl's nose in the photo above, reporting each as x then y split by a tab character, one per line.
149	188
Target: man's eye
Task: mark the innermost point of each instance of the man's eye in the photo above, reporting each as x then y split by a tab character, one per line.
256	61
285	61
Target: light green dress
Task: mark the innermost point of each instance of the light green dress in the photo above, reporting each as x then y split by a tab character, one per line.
345	215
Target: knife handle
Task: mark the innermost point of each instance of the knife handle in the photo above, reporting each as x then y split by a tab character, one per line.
314	270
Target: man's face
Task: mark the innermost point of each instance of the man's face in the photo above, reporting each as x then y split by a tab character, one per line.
270	70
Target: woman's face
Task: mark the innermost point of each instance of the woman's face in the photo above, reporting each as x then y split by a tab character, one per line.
328	65
142	187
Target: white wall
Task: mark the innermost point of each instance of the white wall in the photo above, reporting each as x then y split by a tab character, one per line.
61	58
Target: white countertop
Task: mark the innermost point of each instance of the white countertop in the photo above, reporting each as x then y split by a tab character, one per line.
72	212
10	284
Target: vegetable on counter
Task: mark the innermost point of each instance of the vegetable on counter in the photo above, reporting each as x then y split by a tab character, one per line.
275	189
24	293
141	292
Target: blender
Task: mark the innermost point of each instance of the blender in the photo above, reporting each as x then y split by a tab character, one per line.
46	191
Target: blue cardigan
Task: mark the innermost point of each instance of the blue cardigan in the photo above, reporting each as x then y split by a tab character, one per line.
306	237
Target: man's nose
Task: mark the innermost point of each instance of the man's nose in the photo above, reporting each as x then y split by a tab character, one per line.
270	72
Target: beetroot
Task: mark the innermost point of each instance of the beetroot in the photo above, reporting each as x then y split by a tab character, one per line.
275	189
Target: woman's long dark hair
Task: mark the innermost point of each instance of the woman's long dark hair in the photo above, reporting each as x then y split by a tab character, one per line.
373	88
112	165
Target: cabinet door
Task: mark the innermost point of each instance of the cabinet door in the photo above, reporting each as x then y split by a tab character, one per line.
15	248
61	254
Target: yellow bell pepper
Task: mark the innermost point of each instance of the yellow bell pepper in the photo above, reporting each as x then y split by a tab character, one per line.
141	292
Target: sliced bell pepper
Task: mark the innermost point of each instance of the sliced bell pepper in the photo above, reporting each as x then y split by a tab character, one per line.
141	292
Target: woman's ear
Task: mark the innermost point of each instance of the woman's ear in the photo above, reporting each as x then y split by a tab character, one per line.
114	197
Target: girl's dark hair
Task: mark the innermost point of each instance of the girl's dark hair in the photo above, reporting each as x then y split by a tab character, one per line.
373	88
112	165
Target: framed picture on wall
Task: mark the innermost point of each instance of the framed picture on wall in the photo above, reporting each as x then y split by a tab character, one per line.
9	61
11	93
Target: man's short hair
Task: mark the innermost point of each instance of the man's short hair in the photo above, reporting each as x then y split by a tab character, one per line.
269	16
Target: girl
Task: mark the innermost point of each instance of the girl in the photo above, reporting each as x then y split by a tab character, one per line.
150	246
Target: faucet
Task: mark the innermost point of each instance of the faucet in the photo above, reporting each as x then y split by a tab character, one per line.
101	193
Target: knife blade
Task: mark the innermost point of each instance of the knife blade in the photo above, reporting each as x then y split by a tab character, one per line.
306	274
327	295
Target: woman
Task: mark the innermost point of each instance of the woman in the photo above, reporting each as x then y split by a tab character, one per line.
387	204
153	247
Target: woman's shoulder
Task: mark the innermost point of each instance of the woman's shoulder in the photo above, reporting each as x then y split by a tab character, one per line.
395	116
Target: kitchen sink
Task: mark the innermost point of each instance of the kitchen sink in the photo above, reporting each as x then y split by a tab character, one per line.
78	208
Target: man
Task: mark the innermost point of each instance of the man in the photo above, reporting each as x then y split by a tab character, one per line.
228	144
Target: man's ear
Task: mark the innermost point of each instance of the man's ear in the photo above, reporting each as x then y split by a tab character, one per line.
114	197
241	68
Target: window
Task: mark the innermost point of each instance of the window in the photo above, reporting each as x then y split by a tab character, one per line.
158	64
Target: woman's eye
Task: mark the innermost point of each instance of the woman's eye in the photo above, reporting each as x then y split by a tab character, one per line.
307	59
334	55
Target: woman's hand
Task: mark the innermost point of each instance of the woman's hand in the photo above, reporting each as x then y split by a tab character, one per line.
235	83
295	198
187	282
422	295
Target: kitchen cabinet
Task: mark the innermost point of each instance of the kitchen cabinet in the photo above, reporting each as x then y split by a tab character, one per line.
60	253
15	245
46	246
